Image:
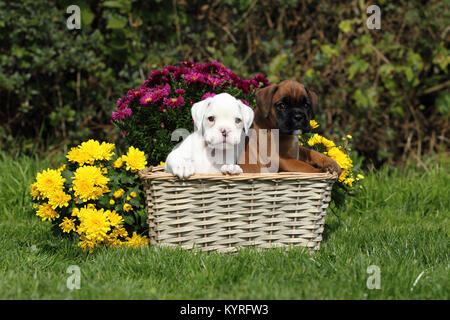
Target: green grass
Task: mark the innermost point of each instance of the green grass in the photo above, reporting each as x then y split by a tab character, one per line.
399	223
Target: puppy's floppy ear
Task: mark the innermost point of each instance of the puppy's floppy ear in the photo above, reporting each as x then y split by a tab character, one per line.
247	115
264	98
313	100
198	111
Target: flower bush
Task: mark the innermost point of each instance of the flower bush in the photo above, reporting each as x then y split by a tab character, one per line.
350	175
148	115
94	196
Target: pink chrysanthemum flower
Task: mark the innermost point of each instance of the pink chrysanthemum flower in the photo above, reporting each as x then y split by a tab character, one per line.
214	82
193	77
155	94
260	78
173	102
158	77
208	95
127	112
179	72
148	98
120	114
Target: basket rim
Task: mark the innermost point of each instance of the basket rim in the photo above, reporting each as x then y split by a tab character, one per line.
157	173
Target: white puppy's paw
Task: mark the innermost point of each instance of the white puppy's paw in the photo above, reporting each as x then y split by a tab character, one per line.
183	170
231	169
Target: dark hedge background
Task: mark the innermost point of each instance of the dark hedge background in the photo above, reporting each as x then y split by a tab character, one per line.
389	88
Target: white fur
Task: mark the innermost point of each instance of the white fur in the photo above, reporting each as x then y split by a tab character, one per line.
206	150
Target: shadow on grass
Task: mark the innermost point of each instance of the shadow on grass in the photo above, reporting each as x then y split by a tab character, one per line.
332	224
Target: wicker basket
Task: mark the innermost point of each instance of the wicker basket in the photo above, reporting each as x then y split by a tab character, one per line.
223	212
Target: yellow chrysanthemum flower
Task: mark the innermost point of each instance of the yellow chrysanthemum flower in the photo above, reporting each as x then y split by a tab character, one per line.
94	224
112	202
49	181
114	218
89	183
75	212
75	155
119	231
89	151
359	177
96	150
115	242
105	151
34	192
118	163
327	143
135	241
343	160
133	194
90	206
59	199
87	244
46	212
67	225
313	124
349	181
134	159
318	139
84	189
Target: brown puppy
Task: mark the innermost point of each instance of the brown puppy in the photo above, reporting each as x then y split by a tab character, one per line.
288	107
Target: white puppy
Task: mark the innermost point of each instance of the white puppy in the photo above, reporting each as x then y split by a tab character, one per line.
220	123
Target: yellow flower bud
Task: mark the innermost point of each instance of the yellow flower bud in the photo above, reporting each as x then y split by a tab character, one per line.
118	193
127	207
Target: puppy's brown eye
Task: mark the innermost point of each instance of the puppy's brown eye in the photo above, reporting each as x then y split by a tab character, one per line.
238	120
211	119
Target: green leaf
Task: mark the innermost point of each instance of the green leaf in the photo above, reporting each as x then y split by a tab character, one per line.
329	50
113	4
345	25
116	22
67	174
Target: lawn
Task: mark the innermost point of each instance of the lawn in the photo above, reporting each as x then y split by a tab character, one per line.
399	223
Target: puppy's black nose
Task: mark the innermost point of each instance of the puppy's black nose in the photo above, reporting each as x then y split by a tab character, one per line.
224	132
298	117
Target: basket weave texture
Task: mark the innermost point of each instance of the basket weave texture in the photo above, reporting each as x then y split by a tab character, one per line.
215	212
